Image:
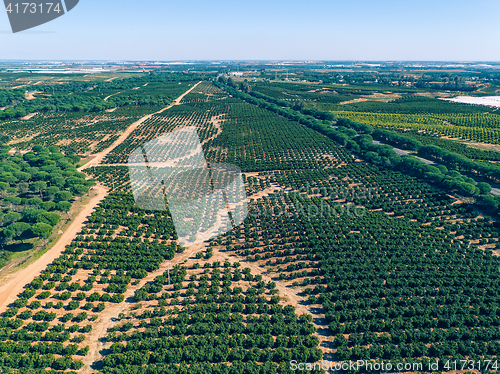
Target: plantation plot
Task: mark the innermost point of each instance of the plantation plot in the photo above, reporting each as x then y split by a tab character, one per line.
71	132
207	120
238	133
150	93
210	318
381	276
206	92
258	140
377	257
307	92
482	128
468	150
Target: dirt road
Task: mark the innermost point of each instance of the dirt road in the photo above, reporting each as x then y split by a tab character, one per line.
107	97
100	156
29	116
14	283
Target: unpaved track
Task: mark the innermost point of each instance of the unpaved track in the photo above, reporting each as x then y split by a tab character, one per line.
100	156
107	97
29	116
14	284
265	193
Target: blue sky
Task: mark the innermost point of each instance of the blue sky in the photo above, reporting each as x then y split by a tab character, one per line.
448	30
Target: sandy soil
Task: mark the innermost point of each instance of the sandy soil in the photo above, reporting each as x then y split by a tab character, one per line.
377	96
14	283
490	147
17	87
359	100
100	156
265	193
30	95
31	115
252	174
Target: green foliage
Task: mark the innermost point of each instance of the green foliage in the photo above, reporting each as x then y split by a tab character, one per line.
42	230
27	209
452	146
476	127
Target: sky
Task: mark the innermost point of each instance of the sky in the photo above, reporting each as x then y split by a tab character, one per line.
164	30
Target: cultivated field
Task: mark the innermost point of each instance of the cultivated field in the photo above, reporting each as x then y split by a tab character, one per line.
341	257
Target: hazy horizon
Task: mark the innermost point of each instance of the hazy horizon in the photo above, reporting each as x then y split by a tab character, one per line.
321	30
303	61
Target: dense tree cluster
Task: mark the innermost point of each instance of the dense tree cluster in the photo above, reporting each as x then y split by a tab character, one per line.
7	97
36	188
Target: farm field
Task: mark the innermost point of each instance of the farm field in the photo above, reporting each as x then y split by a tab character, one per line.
339	259
482	128
74	133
